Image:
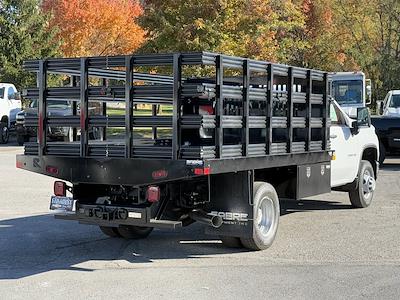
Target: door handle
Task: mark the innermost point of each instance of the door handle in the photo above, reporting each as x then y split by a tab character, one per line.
333	136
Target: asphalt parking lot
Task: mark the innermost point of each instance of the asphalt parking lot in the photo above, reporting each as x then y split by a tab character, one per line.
324	250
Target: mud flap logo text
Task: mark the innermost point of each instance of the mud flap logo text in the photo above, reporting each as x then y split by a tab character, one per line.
231	218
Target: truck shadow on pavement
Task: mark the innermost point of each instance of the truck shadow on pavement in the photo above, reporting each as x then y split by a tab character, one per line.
290	206
38	244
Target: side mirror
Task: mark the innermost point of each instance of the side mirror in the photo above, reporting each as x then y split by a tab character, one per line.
363	117
17	96
380	107
368	91
354	128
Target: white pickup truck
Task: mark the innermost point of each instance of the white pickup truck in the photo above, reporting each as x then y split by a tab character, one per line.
355	160
10	105
390	106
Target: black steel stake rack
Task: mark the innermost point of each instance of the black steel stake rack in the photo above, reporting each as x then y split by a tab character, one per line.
254	108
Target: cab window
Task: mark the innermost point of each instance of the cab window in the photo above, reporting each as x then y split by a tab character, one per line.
11	93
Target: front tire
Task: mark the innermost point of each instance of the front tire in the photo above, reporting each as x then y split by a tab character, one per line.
266	213
134	232
21	139
362	196
4	133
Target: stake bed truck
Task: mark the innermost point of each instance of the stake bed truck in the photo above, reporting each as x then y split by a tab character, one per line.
224	139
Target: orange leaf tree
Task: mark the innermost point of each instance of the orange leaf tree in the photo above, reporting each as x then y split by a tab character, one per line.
96	27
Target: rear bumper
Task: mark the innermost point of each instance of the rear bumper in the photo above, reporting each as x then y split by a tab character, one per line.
113	216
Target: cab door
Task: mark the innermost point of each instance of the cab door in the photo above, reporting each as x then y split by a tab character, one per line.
345	159
14	103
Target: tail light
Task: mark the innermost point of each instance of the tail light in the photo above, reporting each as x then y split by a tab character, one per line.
60	188
153	194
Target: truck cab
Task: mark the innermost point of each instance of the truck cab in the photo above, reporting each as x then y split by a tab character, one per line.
351	90
354	165
10	105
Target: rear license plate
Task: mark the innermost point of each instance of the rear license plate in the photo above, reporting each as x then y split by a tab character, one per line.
61	203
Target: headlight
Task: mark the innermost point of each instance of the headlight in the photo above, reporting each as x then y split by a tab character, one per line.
20	118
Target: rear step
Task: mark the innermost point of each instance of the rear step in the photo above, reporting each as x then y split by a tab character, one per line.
164	224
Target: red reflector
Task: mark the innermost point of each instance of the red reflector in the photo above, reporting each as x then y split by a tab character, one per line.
158	174
201	171
207	171
52	170
153	194
19	164
60	188
198	171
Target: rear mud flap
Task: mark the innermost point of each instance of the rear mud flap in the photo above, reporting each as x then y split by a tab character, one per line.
231	198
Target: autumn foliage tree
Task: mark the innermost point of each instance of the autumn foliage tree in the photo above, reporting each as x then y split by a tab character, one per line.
260	29
96	27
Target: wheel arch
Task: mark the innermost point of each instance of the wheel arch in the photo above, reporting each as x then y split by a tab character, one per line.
4	119
370	153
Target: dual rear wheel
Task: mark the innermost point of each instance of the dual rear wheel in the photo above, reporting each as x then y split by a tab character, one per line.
266	211
127	232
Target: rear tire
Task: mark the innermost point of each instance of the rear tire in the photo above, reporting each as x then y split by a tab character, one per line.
22	139
231	241
4	133
134	232
110	231
362	196
382	153
266	213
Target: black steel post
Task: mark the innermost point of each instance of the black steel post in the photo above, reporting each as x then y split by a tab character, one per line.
176	106
74	83
104	108
84	83
326	116
154	114
42	107
128	106
308	108
246	92
219	106
290	109
270	107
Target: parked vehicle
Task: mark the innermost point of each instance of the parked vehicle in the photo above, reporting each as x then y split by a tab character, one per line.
390	106
27	129
10	105
235	145
351	90
387	124
388	131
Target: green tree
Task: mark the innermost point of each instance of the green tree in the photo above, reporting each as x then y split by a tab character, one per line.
374	31
24	34
259	29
